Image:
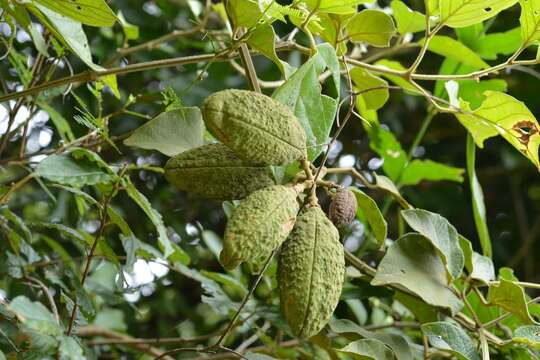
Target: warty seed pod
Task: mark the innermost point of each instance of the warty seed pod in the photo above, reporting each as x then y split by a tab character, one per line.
214	171
311	271
256	127
259	225
343	207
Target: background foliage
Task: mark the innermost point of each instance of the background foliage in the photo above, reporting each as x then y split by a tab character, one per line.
96	97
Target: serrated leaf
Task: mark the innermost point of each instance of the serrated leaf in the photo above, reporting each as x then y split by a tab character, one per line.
170	250
407	20
453	49
171	132
66	170
88	12
450	337
530	21
367	349
372	88
368	207
528	335
442	234
371	26
302	93
419	170
461	13
501	114
413	263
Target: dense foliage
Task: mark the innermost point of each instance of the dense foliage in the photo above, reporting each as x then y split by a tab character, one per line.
423	109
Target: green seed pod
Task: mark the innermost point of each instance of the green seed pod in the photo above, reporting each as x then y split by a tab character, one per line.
214	171
259	225
310	274
256	127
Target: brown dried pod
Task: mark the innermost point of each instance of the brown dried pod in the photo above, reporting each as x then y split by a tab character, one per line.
343	207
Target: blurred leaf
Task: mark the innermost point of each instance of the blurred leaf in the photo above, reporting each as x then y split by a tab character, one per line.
61	124
70	349
66	170
528	335
442	234
336	6
170	132
367	349
503	43
397	343
302	93
35	315
372	88
408	21
368	207
131	31
502	114
385	144
510	296
450	337
170	250
113	319
530	21
460	13
413	262
255	356
88	12
477	194
453	49
371	26
419	170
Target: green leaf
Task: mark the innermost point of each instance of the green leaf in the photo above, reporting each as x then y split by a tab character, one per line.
244	12
88	12
66	170
35	315
453	49
504	43
60	123
418	170
414	263
442	235
502	114
530	21
263	39
170	250
367	349
397	343
255	356
343	7
131	31
510	296
170	132
461	13
302	93
398	80
407	20
368	207
448	336
479	207
371	26
70	349
372	88
385	144
480	267
528	335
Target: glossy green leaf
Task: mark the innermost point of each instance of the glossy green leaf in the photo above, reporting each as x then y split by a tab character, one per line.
368	207
414	263
67	170
88	12
450	337
396	342
302	93
371	26
367	349
510	296
528	335
170	250
502	114
419	170
372	88
171	132
460	13
530	21
442	235
453	49
477	197
407	20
